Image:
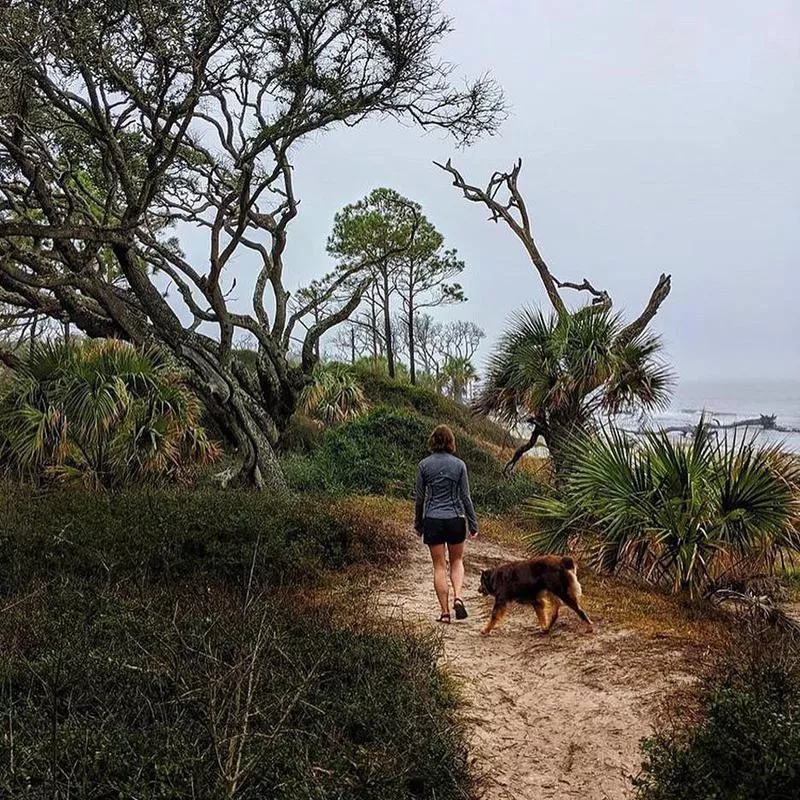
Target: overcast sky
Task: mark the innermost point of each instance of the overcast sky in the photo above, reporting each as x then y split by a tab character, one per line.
656	136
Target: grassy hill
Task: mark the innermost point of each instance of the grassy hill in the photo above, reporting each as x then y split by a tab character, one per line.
378	452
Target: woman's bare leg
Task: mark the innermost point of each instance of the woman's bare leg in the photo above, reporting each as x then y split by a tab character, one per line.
440	576
456	552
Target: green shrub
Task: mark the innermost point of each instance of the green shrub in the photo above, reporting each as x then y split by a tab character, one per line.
164	645
208	693
102	413
744	740
302	435
379	452
380	390
334	395
162	535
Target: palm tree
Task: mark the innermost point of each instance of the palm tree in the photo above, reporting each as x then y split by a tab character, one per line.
681	514
334	395
559	373
101	411
457	374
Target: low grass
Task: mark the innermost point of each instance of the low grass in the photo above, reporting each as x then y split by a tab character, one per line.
153	536
155	644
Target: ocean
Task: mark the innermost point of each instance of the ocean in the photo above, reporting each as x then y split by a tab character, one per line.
726	402
729	401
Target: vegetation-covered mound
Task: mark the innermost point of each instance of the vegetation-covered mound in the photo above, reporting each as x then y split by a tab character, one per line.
378	453
158	644
382	390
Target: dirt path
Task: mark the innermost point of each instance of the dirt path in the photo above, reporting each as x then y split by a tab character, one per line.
555	716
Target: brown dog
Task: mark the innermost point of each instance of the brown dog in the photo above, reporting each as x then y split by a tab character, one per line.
533	582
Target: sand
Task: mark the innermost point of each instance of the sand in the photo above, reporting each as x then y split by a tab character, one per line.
555	716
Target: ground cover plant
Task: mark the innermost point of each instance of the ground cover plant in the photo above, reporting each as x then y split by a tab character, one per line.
740	738
196	644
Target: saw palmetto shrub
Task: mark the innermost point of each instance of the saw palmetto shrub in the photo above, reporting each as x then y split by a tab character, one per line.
100	412
681	514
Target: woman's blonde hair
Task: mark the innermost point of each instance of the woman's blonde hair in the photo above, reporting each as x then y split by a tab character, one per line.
442	440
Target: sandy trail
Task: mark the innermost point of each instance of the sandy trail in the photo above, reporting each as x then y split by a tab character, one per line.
555	716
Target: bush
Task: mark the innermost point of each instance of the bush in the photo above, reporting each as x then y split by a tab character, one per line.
681	514
211	693
302	435
164	645
743	741
100	412
379	452
334	394
163	535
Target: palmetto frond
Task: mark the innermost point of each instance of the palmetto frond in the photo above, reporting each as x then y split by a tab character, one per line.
570	367
522	368
334	396
679	513
101	412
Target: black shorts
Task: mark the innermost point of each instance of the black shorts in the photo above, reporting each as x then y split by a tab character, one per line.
444	531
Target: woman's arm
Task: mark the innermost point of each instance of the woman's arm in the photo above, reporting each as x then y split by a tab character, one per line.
419	498
466	499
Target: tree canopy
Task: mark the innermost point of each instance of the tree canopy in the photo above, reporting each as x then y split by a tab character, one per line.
120	121
409	260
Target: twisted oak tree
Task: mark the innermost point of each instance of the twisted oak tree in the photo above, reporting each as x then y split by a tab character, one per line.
123	123
581	365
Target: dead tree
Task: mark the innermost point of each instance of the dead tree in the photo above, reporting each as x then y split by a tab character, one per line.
502	197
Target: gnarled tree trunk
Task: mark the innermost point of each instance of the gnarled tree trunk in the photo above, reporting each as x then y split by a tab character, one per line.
115	127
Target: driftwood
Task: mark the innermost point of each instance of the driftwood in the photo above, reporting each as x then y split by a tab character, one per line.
766	422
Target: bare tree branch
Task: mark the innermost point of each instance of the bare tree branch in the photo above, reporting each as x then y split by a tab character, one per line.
658	296
600	297
514	213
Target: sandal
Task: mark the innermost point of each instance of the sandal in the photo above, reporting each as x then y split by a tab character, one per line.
444	618
461	609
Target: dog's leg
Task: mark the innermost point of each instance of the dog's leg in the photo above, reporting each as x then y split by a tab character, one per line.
498	612
572	602
541	612
555	604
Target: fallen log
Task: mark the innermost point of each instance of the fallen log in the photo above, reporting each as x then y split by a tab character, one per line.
766	422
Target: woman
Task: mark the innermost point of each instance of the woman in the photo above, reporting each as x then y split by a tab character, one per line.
442	501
